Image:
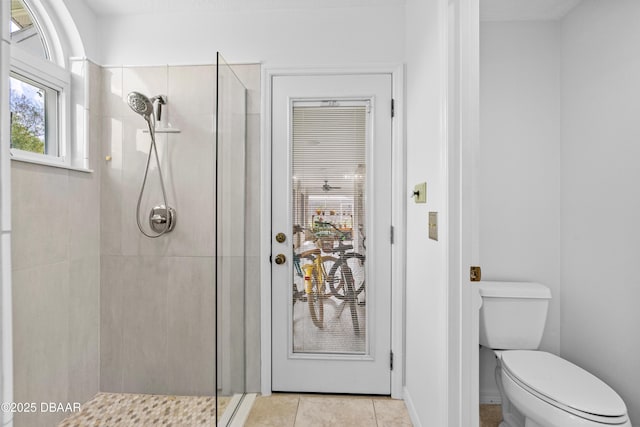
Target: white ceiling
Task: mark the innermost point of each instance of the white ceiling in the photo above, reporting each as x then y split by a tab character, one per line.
490	10
132	7
525	10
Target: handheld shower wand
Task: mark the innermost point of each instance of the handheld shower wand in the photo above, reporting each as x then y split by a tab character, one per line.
144	106
162	218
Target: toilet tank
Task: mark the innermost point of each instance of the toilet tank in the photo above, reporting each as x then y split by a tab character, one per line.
513	314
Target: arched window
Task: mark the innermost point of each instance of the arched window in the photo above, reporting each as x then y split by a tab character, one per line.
40	84
25	32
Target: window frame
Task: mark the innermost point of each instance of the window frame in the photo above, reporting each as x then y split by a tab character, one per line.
51	145
66	70
50	108
51	76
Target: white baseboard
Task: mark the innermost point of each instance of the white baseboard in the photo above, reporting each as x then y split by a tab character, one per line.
490	397
411	408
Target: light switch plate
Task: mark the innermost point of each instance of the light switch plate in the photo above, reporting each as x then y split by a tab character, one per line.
420	192
433	225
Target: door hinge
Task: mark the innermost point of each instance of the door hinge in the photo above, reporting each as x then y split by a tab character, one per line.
392	236
393	108
391	360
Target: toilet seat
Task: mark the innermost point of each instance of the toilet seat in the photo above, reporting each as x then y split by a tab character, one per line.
564	385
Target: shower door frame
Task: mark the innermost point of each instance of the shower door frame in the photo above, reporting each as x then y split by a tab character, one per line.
398	215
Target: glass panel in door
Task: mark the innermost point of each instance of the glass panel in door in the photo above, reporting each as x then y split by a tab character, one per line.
329	152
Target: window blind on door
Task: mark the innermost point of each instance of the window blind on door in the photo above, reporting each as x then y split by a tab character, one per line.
329	150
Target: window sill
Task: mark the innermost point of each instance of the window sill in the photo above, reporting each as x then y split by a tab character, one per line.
52	164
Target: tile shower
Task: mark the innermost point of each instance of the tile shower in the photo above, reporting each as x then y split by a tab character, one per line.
157	295
158	314
100	308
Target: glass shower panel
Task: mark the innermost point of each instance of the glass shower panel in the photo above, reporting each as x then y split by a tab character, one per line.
230	225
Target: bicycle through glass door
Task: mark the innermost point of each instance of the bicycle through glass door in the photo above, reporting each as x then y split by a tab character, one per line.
329	146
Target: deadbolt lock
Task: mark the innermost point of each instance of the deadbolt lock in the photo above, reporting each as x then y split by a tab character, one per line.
280	259
281	237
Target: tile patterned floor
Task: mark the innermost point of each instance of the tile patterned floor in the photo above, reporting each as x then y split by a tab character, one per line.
277	410
490	415
136	410
295	410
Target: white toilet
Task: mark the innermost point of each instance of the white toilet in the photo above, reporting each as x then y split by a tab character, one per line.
539	389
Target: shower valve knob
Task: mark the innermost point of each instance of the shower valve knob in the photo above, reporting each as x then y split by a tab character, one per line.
161	219
158	219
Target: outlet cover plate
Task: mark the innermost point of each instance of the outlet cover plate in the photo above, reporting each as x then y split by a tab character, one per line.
433	226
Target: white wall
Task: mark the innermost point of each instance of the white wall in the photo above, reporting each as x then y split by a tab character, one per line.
520	131
320	36
601	194
426	296
86	23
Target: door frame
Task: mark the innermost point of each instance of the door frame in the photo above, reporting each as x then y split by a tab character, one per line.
398	216
461	60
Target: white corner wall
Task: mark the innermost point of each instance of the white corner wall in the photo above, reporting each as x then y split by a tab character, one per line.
300	36
86	23
520	137
601	194
426	288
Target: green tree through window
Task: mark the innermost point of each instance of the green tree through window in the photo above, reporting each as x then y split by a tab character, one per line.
27	117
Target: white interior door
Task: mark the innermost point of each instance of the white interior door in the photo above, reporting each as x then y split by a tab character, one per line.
331	200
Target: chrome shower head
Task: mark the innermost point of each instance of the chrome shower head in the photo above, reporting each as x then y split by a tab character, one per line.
140	104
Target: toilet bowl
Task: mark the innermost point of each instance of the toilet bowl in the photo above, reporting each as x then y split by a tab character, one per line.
539	389
550	391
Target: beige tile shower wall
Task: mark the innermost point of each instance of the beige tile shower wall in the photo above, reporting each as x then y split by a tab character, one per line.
187	161
157	311
56	279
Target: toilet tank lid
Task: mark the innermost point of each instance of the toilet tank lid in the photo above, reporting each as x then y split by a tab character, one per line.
513	290
563	382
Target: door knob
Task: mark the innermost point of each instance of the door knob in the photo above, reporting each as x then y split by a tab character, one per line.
280	259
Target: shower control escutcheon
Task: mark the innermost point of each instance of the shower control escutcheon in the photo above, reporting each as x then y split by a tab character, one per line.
161	218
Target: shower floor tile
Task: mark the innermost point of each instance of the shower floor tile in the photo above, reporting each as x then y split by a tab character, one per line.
120	409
